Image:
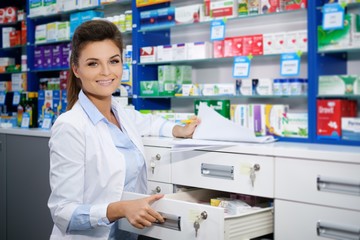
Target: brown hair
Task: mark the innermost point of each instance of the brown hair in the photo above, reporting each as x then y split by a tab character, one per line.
87	32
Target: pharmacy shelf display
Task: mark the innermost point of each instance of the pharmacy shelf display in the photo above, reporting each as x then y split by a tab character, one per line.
315	61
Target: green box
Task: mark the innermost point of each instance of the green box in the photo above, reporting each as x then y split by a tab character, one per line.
149	88
220	106
167	80
183	74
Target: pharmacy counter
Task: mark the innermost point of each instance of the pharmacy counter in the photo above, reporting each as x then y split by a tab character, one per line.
324	180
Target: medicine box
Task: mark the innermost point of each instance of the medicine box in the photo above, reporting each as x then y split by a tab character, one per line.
339	85
244	87
329	114
164	53
223	8
149	88
295	125
148	54
262	86
199	50
49	101
274	114
220	106
40	33
350	128
179	52
36	7
188	14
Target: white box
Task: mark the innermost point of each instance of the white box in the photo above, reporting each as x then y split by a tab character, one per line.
51	31
148	54
262	86
179	51
279	42
87	3
350	128
199	50
291	41
239	114
40	33
51	6
188	14
63	31
164	53
6	36
36	7
6	61
302	39
245	87
268	43
274	118
68	5
295	125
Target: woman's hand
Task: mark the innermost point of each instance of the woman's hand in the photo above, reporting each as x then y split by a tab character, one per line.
188	130
138	212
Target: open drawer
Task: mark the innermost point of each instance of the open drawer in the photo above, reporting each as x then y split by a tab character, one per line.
185	209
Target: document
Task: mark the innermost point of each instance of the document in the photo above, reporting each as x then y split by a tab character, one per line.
213	126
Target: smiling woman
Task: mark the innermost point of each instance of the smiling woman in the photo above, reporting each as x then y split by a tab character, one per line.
96	149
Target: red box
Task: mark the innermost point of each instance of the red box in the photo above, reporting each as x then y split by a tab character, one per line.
329	114
10	14
294	4
15	37
218	49
248	45
269	6
228	47
23	32
258	47
238	46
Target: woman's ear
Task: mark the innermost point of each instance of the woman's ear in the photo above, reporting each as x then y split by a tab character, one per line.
75	71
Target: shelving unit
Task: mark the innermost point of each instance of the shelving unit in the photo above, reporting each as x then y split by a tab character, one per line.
313	63
330	62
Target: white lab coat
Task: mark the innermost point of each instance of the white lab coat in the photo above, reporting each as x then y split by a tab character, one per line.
87	168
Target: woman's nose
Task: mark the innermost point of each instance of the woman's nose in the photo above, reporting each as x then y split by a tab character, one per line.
105	70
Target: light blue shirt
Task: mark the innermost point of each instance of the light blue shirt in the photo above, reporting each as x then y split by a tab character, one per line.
135	165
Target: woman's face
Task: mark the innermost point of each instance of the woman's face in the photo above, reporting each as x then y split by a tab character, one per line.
100	69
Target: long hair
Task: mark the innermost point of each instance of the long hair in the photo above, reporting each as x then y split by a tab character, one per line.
87	32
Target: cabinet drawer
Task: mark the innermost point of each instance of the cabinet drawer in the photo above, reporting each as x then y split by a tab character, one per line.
225	172
159	187
299	221
158	164
326	183
183	209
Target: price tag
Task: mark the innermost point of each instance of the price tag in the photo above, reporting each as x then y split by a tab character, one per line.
241	67
217	31
16	98
290	64
25	122
2	97
46	124
333	16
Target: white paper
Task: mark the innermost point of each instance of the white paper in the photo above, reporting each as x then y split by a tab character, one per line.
213	126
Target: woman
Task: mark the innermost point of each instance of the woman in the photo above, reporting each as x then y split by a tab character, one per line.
96	150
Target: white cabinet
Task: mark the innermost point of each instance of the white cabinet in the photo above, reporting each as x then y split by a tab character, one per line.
320	182
159	187
300	221
158	162
186	209
316	199
238	173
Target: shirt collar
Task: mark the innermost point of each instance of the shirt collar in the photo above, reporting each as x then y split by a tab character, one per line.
93	113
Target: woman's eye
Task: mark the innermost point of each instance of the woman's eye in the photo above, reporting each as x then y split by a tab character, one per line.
114	61
92	64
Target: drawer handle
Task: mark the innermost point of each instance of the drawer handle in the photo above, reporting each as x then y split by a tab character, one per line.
171	221
328	184
218	171
337	231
